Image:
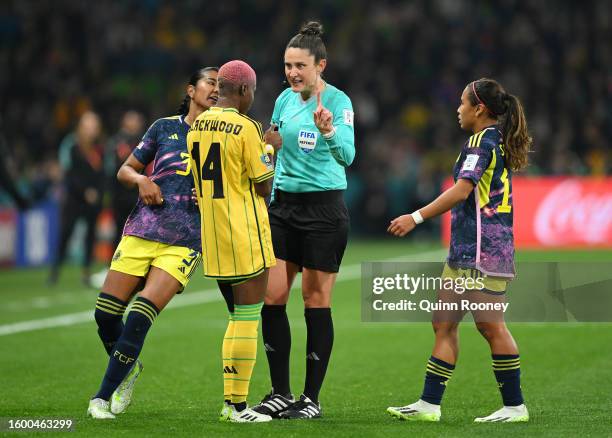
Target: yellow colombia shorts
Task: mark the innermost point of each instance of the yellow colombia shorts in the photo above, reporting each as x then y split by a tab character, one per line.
135	256
480	281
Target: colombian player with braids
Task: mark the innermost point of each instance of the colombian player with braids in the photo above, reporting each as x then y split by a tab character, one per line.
481	247
160	246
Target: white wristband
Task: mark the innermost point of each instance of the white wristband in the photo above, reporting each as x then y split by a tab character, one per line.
330	134
418	219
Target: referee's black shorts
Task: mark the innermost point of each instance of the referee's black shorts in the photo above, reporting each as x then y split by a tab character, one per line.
310	229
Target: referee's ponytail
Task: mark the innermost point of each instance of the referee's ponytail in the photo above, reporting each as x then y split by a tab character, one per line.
183	110
508	107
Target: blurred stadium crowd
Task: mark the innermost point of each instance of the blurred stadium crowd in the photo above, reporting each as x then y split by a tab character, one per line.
403	64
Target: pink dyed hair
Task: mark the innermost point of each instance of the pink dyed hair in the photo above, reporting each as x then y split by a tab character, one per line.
237	72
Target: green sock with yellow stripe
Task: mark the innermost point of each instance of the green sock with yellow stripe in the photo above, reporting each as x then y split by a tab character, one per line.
507	369
437	375
109	317
238	368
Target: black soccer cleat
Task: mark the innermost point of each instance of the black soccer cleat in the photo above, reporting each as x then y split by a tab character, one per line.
274	404
304	408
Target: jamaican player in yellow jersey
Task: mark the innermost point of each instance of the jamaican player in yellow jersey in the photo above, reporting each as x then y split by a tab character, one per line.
233	174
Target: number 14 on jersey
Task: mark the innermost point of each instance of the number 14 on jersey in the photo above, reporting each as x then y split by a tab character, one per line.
210	169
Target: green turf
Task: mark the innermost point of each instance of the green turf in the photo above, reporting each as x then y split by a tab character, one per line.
53	372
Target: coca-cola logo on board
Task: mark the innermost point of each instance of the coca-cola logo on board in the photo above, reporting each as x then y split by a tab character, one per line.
571	213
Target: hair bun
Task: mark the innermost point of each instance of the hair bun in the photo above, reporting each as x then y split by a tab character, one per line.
313	28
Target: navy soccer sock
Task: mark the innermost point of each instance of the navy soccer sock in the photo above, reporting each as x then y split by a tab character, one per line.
127	348
109	317
437	375
507	369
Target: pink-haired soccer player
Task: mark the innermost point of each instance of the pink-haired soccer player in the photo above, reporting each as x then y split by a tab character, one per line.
233	174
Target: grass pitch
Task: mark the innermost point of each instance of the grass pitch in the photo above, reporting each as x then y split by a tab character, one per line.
52	372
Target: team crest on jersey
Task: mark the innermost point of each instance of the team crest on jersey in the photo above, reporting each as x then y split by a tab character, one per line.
267	161
307	140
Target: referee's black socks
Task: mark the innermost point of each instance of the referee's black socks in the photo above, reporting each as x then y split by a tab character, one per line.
319	342
127	348
277	342
109	317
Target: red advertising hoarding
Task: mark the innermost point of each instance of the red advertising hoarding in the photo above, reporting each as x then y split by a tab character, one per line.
558	212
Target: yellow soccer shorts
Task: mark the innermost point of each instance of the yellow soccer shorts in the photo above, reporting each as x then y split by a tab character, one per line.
135	256
237	258
480	282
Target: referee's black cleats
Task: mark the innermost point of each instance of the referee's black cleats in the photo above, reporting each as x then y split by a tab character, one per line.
274	404
304	408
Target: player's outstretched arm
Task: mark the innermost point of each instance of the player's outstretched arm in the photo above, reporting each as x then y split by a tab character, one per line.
402	225
130	175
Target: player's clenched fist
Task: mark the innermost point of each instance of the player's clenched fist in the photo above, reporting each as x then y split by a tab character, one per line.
323	117
149	192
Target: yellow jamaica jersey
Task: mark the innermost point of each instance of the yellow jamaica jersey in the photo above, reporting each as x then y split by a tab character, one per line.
227	156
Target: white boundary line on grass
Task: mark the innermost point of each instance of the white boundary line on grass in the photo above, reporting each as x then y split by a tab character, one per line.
347	273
